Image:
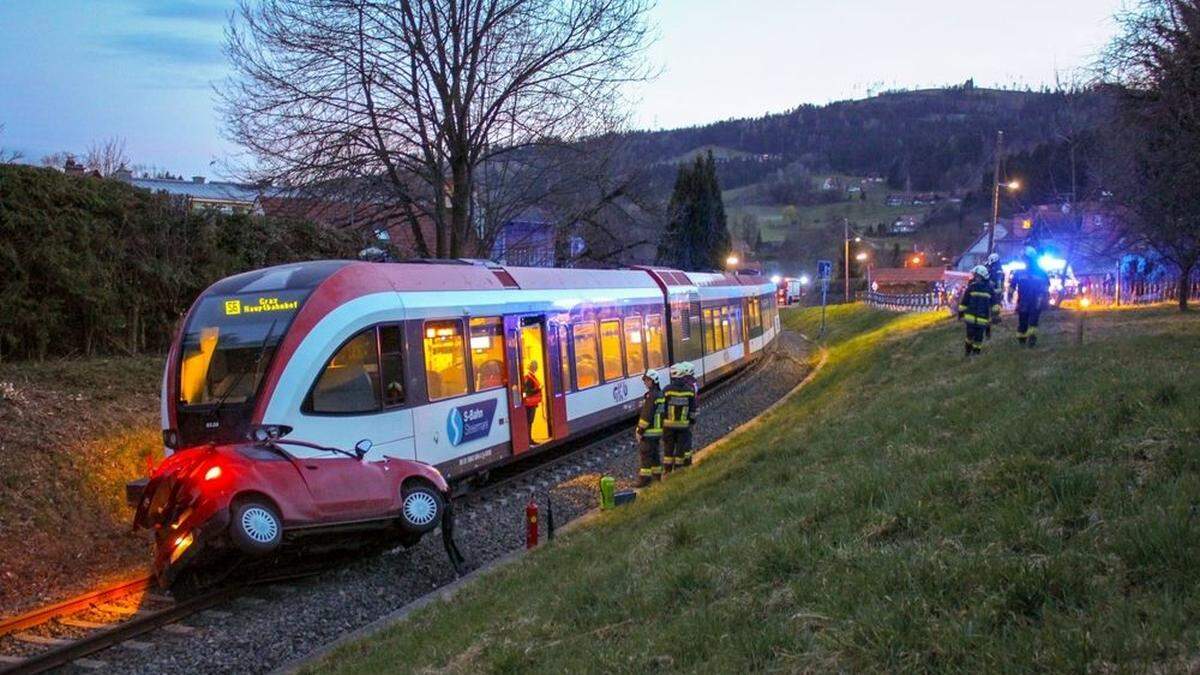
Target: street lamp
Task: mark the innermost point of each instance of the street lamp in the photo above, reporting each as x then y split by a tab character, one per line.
861	257
731	261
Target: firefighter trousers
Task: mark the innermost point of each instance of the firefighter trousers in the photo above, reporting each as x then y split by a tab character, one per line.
649	463
975	335
677	448
1027	325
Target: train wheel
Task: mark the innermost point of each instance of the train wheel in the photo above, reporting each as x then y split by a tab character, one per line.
421	509
255	527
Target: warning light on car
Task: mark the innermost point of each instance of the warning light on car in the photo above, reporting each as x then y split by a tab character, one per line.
213	473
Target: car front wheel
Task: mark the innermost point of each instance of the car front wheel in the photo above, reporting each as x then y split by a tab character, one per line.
255	527
421	508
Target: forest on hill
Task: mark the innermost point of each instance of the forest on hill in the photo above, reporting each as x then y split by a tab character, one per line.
927	140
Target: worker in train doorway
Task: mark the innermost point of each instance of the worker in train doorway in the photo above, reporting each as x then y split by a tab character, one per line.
978	304
1032	286
531	396
996	279
649	430
679	414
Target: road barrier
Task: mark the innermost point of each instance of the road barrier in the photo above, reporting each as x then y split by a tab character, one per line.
1142	292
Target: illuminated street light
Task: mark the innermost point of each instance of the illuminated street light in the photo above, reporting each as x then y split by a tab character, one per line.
731	260
775	279
861	257
1014	185
857	240
803	279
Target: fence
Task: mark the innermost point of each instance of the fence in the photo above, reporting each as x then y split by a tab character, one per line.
907	302
1142	292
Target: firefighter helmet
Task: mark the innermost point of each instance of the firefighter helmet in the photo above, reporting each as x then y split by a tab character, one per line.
678	370
1030	252
993	258
980	271
652	375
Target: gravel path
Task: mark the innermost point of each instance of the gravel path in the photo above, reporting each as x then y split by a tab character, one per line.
279	623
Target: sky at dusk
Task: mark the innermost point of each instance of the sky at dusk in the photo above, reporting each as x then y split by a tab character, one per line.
76	71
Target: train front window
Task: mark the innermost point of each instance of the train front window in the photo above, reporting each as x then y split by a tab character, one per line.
228	343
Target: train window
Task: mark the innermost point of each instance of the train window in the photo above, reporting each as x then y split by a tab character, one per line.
587	362
350	381
710	335
445	363
564	354
726	329
391	365
610	349
654	342
635	360
735	324
487	352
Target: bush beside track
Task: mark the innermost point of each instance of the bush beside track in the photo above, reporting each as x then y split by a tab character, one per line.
905	510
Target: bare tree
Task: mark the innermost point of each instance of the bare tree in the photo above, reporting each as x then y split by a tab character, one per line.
413	101
1153	67
107	156
9	156
57	160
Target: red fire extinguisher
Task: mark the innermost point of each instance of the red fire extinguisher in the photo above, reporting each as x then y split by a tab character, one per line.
531	524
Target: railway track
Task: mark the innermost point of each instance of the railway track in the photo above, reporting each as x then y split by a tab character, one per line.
71	631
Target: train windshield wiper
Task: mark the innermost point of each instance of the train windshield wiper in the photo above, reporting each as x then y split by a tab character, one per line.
262	351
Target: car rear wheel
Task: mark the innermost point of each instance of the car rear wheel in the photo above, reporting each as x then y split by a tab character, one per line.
255	527
421	508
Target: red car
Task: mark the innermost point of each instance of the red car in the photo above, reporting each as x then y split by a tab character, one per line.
251	497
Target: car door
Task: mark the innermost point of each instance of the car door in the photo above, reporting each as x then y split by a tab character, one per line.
346	488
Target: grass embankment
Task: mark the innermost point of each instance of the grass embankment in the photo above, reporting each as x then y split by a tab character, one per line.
905	510
72	432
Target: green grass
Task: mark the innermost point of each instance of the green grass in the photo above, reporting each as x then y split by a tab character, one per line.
907	510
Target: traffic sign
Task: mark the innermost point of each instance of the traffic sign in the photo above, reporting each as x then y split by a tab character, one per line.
824	269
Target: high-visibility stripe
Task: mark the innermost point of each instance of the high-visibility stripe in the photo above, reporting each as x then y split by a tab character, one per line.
645	472
980	294
668	461
657	469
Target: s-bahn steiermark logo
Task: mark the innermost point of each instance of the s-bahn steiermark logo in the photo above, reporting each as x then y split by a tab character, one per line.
620	391
470	422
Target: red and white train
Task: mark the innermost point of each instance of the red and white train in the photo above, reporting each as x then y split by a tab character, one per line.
425	360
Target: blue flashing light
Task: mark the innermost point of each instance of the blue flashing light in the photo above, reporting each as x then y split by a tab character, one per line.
1051	264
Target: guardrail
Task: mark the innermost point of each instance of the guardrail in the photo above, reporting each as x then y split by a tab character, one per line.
906	302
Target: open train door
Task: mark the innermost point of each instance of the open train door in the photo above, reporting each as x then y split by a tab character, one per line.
533	353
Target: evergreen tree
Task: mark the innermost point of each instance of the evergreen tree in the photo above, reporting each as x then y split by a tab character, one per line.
697	235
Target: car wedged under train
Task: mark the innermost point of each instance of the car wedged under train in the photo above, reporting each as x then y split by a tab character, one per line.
425	362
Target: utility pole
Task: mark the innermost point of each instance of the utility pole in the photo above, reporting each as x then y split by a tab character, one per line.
846	257
995	192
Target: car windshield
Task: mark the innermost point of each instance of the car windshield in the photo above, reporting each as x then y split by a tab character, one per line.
228	344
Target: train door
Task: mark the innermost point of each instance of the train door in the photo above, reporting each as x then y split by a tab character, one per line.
746	321
537	409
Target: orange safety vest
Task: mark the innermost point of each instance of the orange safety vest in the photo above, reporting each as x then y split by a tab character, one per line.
531	396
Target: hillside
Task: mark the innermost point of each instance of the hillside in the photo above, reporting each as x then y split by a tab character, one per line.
1030	510
934	139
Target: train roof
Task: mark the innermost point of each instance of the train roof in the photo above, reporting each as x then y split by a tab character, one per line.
449	276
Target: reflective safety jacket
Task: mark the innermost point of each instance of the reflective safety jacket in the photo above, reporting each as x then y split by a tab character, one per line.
650	420
531	391
1032	286
996	278
978	302
680	399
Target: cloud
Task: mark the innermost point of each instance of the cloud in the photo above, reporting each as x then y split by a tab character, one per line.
176	49
192	10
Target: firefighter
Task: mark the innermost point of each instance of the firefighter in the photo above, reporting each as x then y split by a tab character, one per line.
996	279
679	414
649	430
975	308
531	396
1032	286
